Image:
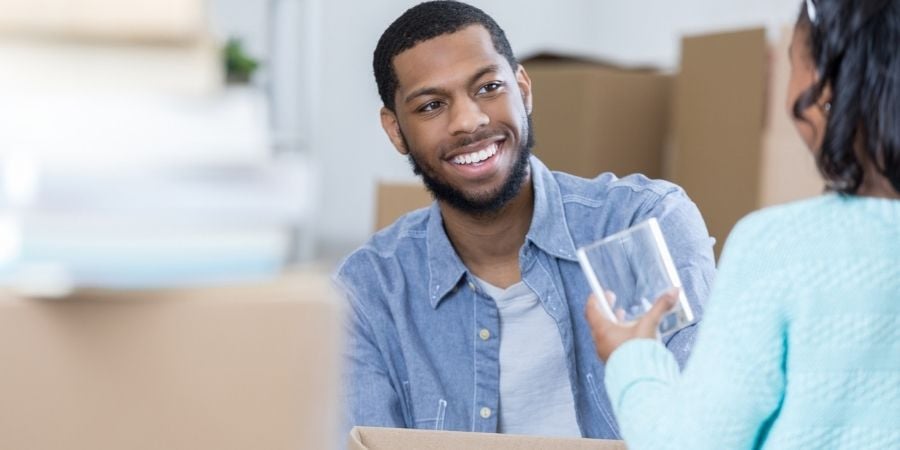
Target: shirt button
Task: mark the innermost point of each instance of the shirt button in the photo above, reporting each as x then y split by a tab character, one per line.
471	286
485	412
484	334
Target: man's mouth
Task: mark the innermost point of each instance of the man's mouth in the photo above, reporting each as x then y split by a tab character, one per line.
477	156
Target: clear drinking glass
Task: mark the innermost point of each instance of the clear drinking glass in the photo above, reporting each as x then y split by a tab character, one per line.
635	265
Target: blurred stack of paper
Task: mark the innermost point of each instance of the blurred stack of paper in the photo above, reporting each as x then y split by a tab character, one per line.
42	65
149	228
118	20
124	159
154	228
157	45
94	130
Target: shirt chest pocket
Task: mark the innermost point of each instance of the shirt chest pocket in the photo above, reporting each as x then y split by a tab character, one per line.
428	411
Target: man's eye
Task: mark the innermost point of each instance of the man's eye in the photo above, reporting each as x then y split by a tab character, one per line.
490	87
430	106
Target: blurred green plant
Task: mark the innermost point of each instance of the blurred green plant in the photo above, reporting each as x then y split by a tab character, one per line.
239	66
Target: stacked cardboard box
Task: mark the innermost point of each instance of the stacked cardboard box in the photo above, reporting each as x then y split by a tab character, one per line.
719	128
735	148
592	117
221	367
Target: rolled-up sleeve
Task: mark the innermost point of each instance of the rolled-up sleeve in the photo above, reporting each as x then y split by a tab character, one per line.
692	252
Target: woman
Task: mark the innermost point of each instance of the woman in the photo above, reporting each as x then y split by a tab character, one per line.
800	345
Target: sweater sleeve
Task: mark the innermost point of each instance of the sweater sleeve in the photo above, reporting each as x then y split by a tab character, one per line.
733	383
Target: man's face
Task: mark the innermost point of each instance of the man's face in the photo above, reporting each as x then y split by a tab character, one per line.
462	117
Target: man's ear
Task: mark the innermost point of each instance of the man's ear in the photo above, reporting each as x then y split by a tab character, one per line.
392	128
524	87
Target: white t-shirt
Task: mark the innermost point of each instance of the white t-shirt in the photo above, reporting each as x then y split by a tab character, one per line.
535	393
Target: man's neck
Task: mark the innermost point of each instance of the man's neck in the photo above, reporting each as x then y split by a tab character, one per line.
489	244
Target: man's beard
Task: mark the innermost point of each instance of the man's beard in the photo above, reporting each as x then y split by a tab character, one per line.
486	204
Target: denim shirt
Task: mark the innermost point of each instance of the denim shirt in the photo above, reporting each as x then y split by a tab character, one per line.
423	338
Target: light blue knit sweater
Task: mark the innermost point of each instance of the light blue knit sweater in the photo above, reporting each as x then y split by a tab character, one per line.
799	347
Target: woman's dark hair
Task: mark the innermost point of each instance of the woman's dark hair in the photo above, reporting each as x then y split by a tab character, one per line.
856	48
421	23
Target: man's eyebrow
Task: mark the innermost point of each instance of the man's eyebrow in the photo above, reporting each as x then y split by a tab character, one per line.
423	91
438	91
484	71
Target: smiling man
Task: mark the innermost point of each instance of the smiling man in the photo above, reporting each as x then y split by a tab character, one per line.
468	315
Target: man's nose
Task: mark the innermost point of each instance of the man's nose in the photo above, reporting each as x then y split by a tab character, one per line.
467	117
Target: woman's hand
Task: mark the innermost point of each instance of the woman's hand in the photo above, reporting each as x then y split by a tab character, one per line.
608	335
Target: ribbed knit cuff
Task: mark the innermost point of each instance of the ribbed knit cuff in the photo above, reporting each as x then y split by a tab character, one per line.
636	361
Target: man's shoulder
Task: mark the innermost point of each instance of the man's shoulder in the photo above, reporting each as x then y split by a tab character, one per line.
606	186
406	234
605	204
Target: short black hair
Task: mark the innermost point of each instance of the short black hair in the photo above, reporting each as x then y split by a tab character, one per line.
421	23
854	46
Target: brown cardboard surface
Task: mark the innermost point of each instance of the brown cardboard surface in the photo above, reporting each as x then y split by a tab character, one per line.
229	367
788	168
718	118
370	438
735	149
591	117
396	199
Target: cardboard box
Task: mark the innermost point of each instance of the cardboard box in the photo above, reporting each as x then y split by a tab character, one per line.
735	148
396	199
229	367
591	117
369	438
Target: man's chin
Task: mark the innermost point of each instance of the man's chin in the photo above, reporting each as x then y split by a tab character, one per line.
480	203
476	204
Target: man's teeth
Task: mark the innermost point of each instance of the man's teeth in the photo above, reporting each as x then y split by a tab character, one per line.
476	157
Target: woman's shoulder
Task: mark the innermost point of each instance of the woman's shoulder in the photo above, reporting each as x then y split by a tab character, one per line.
797	214
783	229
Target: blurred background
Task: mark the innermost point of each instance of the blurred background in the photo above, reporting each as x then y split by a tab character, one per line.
160	142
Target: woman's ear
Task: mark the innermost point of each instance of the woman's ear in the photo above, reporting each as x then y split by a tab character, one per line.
825	100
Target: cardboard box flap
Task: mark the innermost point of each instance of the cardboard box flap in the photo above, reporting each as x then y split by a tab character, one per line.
557	58
371	438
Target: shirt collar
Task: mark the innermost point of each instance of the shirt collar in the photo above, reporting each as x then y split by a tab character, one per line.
549	229
444	266
549	232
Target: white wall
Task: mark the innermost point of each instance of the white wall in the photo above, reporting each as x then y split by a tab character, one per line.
649	31
346	138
